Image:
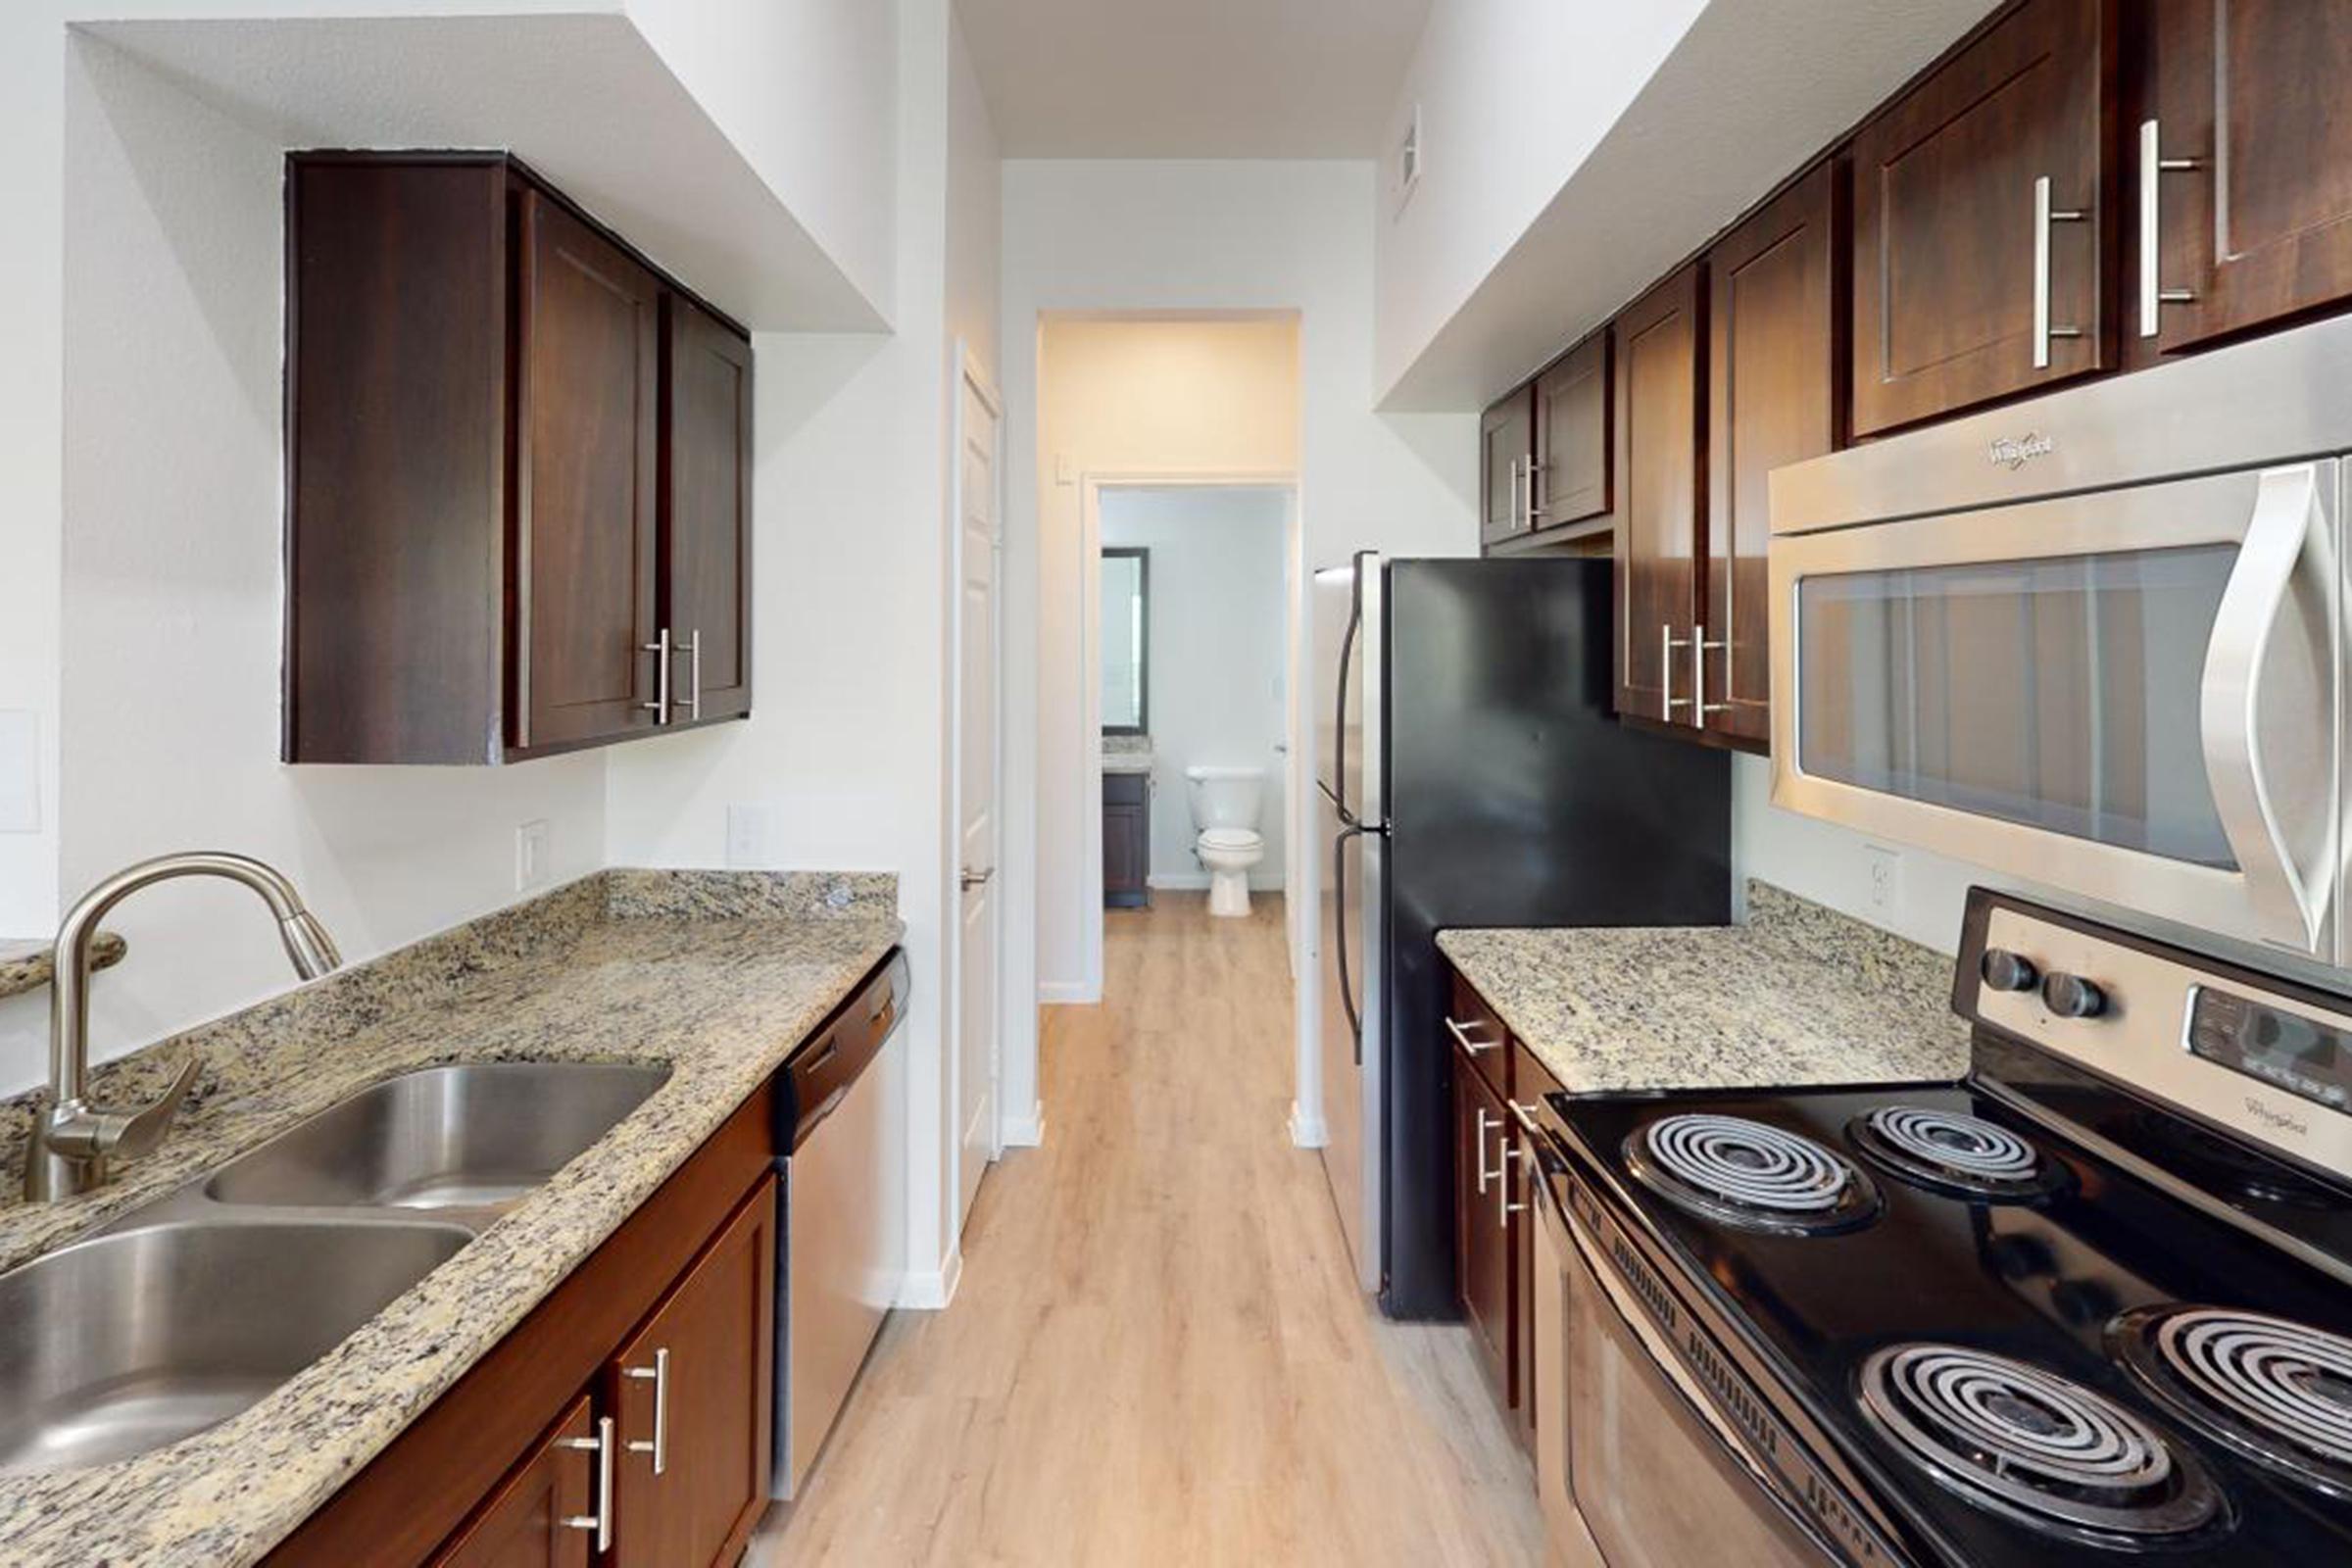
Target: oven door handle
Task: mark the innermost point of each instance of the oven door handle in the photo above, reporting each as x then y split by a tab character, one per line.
1685	1386
2286	535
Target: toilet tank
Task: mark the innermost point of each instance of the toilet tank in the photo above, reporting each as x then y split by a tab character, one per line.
1225	797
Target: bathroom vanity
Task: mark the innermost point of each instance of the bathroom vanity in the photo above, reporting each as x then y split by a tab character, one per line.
1126	836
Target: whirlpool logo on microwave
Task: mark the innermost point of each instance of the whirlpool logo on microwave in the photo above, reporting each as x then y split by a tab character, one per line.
2014	451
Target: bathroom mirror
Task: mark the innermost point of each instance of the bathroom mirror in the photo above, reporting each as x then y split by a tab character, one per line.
1126	642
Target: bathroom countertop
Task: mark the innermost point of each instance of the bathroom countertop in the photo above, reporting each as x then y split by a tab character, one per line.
1797	995
717	974
24	965
1127	754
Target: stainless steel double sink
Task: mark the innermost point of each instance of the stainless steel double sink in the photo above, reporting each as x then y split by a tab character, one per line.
181	1313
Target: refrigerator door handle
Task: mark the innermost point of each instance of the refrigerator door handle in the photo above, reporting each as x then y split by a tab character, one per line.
1339	715
1339	915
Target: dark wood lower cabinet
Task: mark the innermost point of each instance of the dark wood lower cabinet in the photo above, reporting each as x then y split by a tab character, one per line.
1481	1238
536	1519
462	1483
1126	840
692	1396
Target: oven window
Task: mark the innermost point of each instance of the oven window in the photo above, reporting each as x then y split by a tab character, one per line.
2059	693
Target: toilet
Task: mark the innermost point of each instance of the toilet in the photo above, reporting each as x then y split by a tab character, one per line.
1225	802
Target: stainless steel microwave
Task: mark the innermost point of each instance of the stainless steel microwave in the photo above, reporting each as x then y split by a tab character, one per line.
2096	640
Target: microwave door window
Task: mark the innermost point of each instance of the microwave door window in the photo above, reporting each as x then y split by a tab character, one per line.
2060	693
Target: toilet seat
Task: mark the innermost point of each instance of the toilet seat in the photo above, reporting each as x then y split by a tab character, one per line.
1230	837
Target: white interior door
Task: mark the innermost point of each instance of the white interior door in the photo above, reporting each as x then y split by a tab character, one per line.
979	546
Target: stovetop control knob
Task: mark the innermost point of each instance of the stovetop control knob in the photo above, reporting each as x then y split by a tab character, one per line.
2069	996
2005	970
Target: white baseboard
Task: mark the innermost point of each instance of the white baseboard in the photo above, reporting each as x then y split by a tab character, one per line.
930	1289
1067	994
1308	1132
1025	1131
1197	882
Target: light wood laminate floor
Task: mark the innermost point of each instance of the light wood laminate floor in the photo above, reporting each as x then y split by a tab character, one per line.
1157	1355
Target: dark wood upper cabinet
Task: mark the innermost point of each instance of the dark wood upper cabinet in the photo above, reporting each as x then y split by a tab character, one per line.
692	1396
1774	357
532	1521
587	508
706	511
517	456
1984	221
2246	101
1572	455
1506	448
1661	493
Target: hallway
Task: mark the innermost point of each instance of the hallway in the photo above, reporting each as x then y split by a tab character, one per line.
1155	1355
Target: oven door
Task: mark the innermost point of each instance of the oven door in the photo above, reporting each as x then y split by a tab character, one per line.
2132	694
1650	1474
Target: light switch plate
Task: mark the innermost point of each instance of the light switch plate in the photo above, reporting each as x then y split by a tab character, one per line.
20	771
530	855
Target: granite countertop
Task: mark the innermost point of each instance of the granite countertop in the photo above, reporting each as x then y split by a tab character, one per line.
718	974
1797	995
1127	754
24	965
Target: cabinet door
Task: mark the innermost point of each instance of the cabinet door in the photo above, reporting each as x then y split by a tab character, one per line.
1772	399
705	577
1126	840
1572	436
1481	1253
2251	93
692	1397
1963	292
1661	499
584	565
524	1524
1507	439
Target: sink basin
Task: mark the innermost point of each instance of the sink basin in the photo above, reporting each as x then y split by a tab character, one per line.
476	1136
112	1347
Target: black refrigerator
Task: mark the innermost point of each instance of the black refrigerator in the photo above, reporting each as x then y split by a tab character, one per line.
1471	771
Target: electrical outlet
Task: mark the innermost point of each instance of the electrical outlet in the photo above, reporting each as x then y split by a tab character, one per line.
1886	875
530	855
751	835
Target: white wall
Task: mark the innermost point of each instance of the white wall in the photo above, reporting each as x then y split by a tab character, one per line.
845	755
1513	95
1084	235
171	595
975	204
806	89
1217	627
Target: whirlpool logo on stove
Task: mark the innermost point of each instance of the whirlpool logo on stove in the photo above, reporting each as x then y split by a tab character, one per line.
2014	451
2277	1121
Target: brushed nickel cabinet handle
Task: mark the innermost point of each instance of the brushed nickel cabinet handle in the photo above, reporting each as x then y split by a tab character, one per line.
1668	641
2153	166
1461	1033
661	651
659	1375
692	648
1504	1208
1700	645
600	1521
2044	215
1483	1122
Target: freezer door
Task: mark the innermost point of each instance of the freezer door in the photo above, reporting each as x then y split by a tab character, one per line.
1350	979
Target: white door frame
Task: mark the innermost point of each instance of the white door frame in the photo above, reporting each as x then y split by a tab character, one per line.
969	371
1089	666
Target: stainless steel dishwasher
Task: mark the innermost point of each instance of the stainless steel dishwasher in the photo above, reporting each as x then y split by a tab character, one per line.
842	1204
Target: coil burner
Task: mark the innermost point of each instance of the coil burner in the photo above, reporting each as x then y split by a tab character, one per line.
1751	1174
1966	1155
2278	1391
2035	1447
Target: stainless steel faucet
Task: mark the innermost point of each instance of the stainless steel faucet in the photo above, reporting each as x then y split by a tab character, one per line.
72	1140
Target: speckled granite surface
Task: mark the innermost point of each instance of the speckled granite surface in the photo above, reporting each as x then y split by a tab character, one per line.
1798	995
1127	754
24	965
718	974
